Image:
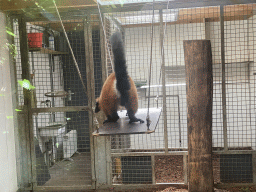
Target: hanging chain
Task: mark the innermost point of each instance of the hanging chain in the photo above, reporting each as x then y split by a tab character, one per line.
105	36
74	59
150	68
162	55
96	123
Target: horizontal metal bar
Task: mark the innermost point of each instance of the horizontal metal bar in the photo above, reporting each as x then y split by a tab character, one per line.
170	184
157	186
227	185
71	188
236	152
148	153
60	109
179	153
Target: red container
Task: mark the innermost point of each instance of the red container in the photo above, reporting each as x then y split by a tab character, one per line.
35	40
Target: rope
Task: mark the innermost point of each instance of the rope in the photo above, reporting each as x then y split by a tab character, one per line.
105	36
150	68
74	59
162	53
77	67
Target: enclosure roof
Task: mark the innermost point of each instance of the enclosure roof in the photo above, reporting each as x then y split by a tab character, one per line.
44	10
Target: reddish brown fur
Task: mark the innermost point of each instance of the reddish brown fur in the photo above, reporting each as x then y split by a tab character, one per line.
109	101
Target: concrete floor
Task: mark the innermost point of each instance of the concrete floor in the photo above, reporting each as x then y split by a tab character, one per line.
71	173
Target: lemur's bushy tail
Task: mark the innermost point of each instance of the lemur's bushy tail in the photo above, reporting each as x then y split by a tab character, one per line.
122	78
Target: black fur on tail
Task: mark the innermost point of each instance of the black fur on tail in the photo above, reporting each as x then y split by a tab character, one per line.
122	78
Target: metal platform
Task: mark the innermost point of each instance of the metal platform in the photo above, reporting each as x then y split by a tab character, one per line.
123	127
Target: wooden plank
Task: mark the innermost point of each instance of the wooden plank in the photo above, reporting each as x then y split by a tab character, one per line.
60	109
123	127
69	24
27	101
14	5
212	14
90	91
199	80
47	51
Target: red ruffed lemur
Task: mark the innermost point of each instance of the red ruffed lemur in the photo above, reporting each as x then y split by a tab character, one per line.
119	88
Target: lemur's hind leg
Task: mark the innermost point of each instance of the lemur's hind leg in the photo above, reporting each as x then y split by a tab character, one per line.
133	118
112	118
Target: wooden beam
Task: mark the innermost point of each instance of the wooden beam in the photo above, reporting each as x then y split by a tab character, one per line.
15	5
199	80
212	14
27	102
69	25
60	109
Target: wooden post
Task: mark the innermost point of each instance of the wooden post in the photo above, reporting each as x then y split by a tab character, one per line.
90	87
199	86
27	103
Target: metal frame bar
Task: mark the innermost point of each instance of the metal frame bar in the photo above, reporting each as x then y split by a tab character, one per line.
90	88
163	81
104	77
224	106
51	188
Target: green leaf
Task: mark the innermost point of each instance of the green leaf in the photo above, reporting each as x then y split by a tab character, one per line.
18	110
10	33
9	117
26	84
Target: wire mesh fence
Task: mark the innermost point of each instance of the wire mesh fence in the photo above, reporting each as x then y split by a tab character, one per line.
156	157
55	83
190	24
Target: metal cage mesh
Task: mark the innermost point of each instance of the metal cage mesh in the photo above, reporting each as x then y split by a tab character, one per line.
159	157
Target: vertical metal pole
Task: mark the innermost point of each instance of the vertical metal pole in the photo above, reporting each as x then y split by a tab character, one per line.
185	168
254	167
207	28
51	67
104	77
27	98
179	119
153	169
90	87
163	81
224	106
103	54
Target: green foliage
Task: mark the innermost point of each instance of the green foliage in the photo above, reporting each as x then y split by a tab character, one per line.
26	84
13	50
9	32
11	47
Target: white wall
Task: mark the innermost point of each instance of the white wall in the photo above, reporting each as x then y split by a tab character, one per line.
8	177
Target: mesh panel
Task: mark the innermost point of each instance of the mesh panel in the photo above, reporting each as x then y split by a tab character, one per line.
142	158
